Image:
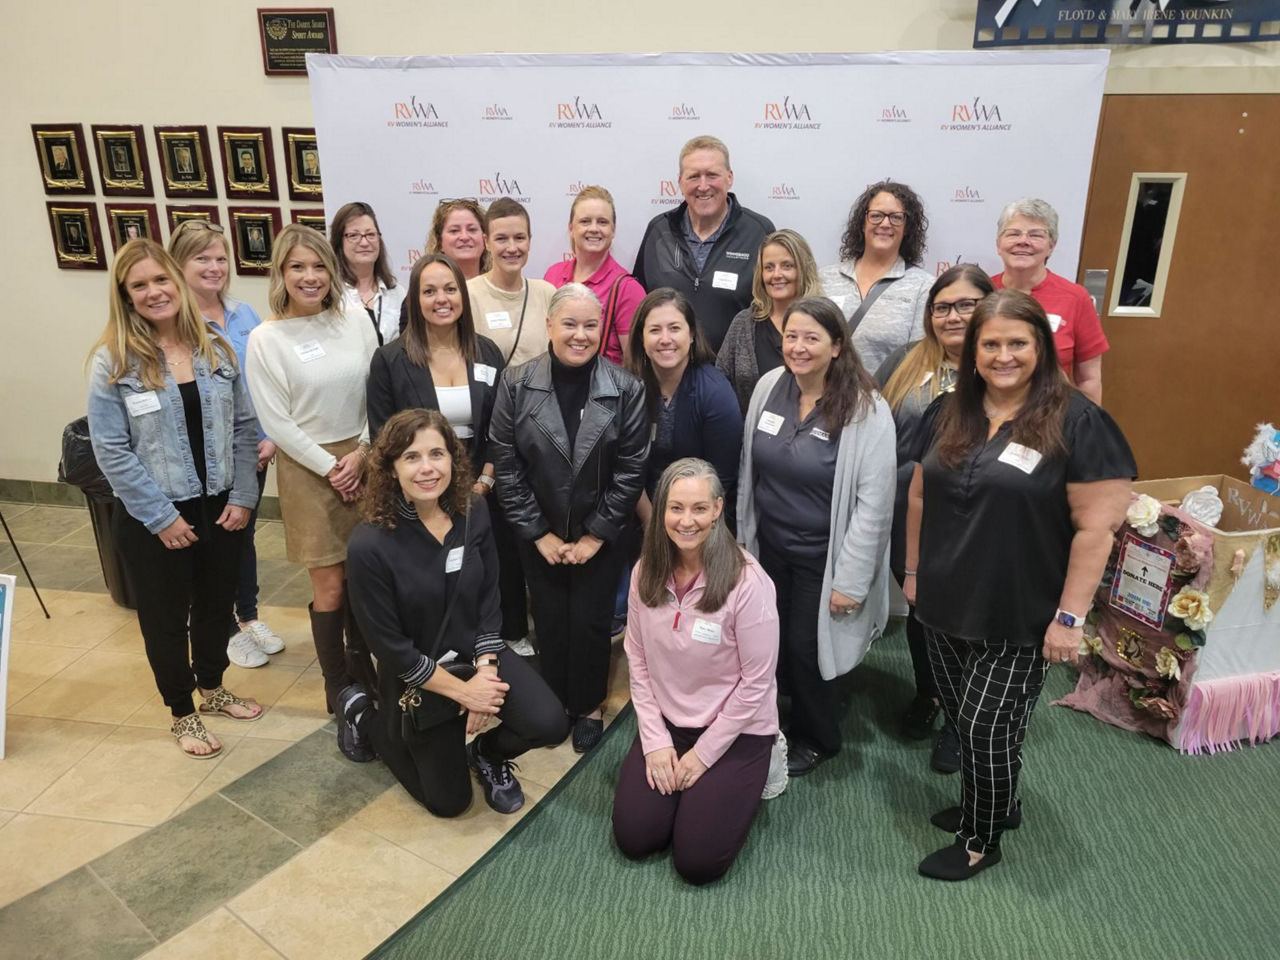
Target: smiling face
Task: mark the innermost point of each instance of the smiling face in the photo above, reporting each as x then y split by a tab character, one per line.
960	299
508	244
779	273
206	273
1024	244
591	229
705	181
1006	354
306	281
574	331
439	296
360	242
691	512
807	348
152	293
667	338
425	468
884	237
462	238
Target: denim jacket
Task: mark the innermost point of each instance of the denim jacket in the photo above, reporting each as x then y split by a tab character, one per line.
140	439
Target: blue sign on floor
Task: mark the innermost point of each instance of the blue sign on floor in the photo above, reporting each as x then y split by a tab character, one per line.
1017	23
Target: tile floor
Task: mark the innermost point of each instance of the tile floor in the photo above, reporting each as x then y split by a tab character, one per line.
117	846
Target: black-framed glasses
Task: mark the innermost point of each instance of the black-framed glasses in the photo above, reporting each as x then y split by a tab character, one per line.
963	308
878	217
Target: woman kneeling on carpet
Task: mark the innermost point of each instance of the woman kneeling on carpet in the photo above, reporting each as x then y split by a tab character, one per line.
423	573
702	645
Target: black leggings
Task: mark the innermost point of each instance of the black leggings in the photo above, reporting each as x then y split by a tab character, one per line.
433	768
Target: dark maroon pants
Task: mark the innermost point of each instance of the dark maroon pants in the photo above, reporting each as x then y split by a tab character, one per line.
706	825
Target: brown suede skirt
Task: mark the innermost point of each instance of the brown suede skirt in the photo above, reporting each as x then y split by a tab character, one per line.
317	523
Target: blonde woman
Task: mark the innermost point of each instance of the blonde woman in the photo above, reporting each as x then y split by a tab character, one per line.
307	365
592	220
174	434
785	272
204	255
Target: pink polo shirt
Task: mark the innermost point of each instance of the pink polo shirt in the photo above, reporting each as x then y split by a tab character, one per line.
713	670
630	293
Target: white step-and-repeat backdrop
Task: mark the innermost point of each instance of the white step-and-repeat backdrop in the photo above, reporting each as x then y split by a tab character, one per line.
806	133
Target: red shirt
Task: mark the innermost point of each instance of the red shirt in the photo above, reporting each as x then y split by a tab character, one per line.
1077	330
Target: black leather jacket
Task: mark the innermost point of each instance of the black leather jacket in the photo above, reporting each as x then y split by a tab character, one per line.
544	487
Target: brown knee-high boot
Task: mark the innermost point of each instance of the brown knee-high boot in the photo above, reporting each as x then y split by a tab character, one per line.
331	651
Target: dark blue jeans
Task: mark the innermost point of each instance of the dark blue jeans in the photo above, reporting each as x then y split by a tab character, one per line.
247	582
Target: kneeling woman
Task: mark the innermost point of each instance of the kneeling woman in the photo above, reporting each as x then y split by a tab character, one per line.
702	645
423	574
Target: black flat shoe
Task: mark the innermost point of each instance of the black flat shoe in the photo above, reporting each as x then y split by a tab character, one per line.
918	721
587	733
803	759
946	752
952	863
949	819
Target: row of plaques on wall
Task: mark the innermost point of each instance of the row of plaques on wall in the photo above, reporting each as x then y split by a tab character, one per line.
186	161
77	237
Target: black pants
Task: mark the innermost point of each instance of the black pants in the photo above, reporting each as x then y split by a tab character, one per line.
572	614
706	825
511	588
988	689
815	702
247	583
920	666
184	598
433	767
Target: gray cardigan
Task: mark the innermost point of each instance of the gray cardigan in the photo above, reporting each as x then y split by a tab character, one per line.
858	543
737	356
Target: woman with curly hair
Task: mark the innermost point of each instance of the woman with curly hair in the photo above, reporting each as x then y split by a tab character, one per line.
423	573
878	282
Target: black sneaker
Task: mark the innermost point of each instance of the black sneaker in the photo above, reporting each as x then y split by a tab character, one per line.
501	789
917	722
351	702
946	752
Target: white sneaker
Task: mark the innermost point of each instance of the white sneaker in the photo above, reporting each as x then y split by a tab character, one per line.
778	777
266	638
244	652
522	647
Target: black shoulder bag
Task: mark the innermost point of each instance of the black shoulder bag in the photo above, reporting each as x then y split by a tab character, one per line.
877	288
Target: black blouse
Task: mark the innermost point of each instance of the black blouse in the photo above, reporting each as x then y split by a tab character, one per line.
996	532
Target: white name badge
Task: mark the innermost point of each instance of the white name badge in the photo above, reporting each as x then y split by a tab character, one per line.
485	372
1055	321
453	561
311	350
724	280
1024	458
819	434
140	403
770	423
498	320
706	632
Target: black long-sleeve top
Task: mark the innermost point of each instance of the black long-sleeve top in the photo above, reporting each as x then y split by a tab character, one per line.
399	588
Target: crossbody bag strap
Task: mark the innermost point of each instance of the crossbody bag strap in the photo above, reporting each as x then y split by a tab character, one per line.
610	312
877	288
515	344
453	594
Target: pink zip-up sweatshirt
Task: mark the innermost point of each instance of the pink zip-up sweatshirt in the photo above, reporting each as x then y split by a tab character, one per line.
714	670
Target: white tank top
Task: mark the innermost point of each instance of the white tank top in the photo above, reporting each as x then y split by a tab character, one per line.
455	404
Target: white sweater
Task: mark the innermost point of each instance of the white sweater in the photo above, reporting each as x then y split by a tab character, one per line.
307	376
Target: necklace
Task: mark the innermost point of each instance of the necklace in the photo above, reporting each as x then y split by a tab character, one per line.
165	348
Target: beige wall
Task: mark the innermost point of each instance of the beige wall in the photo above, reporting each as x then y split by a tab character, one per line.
153	62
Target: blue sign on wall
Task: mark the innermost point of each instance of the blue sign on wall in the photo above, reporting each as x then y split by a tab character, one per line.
1017	23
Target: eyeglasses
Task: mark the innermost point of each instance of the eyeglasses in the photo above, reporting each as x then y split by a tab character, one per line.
878	217
963	308
197	224
1035	236
355	237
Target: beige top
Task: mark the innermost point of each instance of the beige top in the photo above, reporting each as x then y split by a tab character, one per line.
497	316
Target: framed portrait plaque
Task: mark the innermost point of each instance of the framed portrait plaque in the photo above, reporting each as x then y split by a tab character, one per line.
77	241
253	231
176	213
122	160
289	34
310	218
302	163
247	162
64	161
185	164
128	221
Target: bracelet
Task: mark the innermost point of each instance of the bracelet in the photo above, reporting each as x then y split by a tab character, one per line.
908	573
487	480
490	660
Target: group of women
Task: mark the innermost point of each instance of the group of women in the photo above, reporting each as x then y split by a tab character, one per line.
446	450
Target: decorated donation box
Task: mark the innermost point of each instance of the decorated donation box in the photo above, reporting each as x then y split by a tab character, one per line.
1184	632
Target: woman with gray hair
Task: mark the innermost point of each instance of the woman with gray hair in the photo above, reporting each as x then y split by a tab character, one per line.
569	438
1026	235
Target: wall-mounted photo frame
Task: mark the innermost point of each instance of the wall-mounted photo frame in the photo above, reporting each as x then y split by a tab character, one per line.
311	218
253	231
77	240
247	163
176	213
129	221
186	166
302	163
122	160
64	161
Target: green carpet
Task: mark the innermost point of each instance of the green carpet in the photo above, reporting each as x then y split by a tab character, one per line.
1128	850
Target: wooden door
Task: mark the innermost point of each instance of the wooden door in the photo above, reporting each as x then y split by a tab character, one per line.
1188	387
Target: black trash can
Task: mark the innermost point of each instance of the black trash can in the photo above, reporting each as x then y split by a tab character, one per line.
79	468
113	570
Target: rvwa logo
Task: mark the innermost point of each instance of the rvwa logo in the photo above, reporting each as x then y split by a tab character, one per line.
976	116
787	115
579	113
682	111
942	266
893	114
668	194
416	113
422	188
966	195
495	112
783	192
498	186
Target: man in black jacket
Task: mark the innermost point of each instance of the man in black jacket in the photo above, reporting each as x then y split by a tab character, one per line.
706	247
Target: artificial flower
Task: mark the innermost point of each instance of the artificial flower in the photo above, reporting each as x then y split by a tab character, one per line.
1192	608
1092	643
1144	515
1204	504
1191	552
1168	665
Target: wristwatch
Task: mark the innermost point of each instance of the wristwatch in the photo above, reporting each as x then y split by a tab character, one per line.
1068	619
